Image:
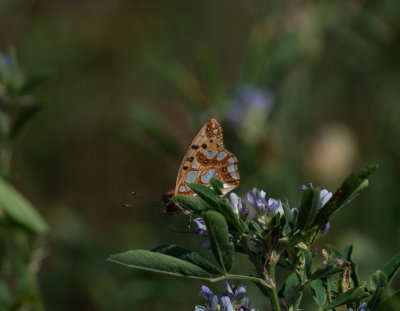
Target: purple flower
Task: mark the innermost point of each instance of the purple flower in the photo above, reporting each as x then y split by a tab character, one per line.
212	300
236	293
201	229
363	307
226	304
324	197
249	99
231	299
238	207
256	199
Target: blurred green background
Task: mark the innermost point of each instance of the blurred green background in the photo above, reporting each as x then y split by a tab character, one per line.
135	80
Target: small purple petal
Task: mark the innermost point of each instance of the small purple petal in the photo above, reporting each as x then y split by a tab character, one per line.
228	288
240	293
226	304
213	303
206	293
324	196
326	227
201	229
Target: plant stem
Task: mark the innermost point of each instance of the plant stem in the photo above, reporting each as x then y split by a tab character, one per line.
272	291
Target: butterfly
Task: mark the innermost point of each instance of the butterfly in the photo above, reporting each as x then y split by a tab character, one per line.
205	158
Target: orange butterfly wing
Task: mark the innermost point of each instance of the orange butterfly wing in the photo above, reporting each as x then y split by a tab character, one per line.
205	158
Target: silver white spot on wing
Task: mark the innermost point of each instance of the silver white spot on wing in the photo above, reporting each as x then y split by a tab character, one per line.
207	176
213	125
183	189
205	152
212	154
195	164
191	176
234	176
221	156
203	133
231	160
231	167
215	131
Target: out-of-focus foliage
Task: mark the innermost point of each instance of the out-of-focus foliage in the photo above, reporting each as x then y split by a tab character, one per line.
324	77
21	226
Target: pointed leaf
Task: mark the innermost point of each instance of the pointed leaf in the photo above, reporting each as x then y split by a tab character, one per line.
291	282
196	205
216	185
318	291
378	279
308	209
353	184
355	294
20	210
221	247
187	255
326	271
158	262
378	282
308	263
347	252
392	267
390	304
205	193
288	212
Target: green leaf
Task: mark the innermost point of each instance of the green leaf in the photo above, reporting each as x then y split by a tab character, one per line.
318	291
378	282
205	193
20	210
218	204
335	251
308	263
297	302
308	208
288	212
326	271
217	185
378	279
221	247
353	184
291	282
196	205
390	304
225	208
392	267
5	297
187	255
158	262
355	294
24	116
347	252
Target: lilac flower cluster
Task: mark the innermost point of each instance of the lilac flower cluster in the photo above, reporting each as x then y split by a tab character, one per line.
231	299
262	206
257	200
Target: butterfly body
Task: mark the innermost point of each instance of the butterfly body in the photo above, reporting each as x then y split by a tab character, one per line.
205	158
